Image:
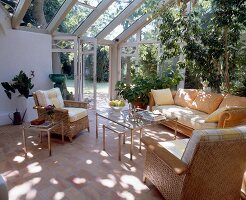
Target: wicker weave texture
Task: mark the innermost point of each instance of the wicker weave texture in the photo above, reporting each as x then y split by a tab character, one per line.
70	128
215	172
165	180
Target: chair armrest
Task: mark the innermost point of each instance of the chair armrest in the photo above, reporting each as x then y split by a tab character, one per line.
76	104
232	117
172	161
56	110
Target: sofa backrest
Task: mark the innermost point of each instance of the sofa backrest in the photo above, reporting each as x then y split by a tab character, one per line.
185	97
232	100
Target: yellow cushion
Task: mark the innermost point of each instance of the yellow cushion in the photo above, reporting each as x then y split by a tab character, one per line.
76	113
163	96
214	117
50	97
207	102
185	97
231	100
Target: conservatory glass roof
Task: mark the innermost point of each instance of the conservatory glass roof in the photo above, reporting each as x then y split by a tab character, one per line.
107	20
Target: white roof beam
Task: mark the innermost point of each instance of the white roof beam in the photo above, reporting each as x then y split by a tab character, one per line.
60	15
20	12
119	19
144	20
140	23
84	26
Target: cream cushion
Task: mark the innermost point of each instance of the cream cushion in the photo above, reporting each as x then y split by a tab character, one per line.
50	97
163	97
207	102
185	97
175	147
194	119
214	117
76	113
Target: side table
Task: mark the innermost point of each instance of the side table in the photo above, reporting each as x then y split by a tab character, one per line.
41	128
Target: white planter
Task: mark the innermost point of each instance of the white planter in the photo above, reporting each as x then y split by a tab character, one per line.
27	104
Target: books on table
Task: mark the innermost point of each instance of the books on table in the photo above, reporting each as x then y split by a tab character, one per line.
151	116
44	125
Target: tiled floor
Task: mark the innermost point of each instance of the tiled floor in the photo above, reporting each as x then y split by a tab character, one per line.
77	170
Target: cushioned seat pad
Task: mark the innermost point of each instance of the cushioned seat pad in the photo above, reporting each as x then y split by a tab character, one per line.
186	116
76	113
175	147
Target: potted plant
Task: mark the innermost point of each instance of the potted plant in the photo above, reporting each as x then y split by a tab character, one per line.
21	82
137	92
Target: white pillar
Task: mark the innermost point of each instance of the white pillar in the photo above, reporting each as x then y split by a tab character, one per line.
114	73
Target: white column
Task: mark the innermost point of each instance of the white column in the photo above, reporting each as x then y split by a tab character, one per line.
114	74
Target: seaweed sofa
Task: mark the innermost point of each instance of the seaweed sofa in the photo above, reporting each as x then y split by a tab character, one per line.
198	110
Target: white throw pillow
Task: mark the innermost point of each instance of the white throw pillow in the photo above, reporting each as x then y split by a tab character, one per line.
163	97
50	97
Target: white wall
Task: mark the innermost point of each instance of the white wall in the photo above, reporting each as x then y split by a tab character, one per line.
22	50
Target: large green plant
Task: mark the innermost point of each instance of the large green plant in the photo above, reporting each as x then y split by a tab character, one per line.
140	87
208	37
21	82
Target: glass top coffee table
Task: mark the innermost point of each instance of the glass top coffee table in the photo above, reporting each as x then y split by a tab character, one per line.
132	121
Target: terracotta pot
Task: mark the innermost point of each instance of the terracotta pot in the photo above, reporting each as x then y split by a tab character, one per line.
139	104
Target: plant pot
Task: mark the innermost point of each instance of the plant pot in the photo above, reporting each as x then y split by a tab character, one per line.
139	104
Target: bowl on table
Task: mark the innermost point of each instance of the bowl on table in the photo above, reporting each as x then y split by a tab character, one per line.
117	105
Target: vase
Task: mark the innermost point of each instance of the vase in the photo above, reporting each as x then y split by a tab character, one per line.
52	119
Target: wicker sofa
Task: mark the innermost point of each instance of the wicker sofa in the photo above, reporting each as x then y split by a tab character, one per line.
210	165
199	110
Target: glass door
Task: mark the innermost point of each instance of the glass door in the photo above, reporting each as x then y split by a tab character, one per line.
87	71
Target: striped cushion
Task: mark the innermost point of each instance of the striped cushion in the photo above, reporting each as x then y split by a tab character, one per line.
50	97
211	135
76	113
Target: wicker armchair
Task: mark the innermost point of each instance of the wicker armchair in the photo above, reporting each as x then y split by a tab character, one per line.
210	165
73	114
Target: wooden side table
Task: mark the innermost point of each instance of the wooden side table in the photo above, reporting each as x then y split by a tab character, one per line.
41	128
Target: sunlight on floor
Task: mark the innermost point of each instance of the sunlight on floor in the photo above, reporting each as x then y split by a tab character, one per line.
19	159
24	189
34	168
110	182
137	184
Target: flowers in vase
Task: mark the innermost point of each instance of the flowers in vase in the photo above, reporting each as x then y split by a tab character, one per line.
50	110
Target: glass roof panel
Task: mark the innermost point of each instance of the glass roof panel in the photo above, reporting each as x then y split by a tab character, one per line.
113	10
40	18
10	5
93	3
150	31
73	19
130	20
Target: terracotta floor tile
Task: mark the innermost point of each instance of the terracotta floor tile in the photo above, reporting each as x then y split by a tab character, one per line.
78	170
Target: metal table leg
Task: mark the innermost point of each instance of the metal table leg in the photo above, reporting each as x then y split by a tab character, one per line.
175	130
96	126
119	134
140	136
131	146
104	137
49	143
24	140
